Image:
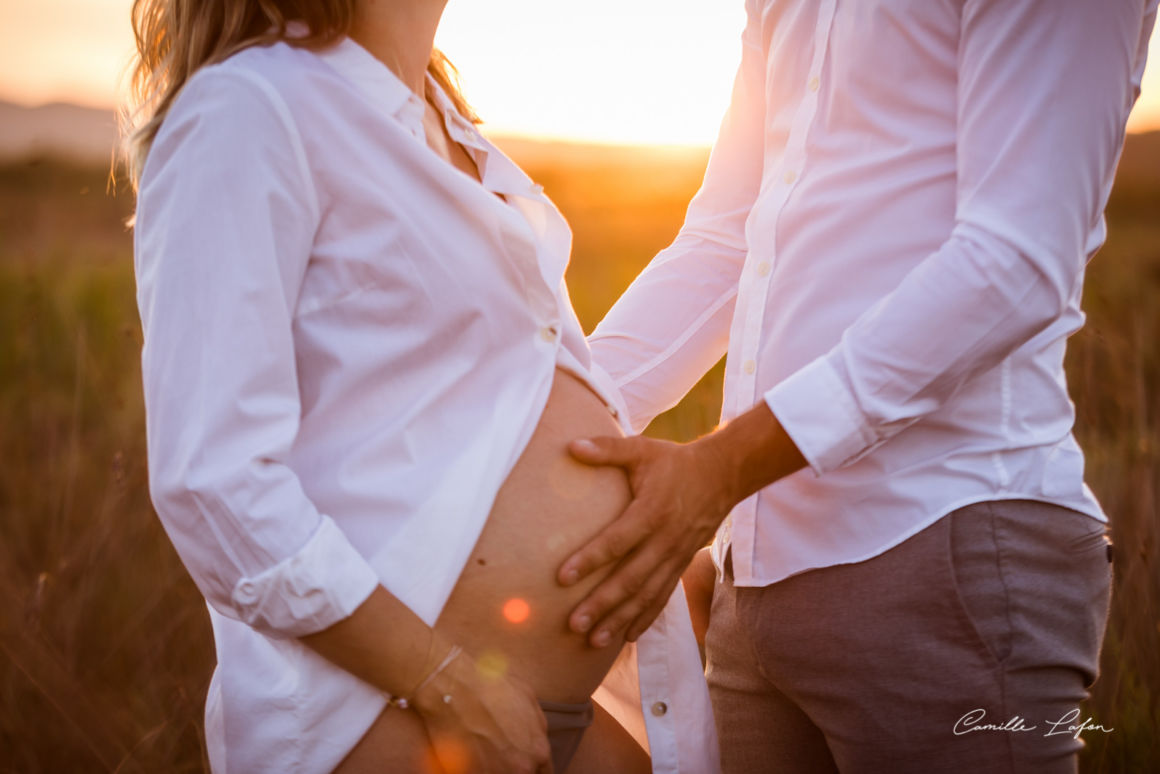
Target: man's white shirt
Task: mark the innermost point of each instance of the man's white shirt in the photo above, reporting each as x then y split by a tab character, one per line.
890	241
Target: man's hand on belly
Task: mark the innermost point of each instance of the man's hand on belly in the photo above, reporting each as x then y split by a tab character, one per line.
681	493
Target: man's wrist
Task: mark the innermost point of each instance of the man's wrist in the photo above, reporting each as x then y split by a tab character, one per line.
720	462
749	453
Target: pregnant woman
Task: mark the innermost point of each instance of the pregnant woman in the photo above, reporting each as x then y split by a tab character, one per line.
361	373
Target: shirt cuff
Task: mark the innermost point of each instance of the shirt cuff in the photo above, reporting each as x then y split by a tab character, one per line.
313	589
819	413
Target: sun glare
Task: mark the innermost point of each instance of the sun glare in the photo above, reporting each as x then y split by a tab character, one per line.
638	71
617	71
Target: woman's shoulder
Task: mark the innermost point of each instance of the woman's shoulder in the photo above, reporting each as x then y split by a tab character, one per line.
277	74
253	91
241	114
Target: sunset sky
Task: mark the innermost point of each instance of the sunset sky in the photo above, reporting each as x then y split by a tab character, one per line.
638	71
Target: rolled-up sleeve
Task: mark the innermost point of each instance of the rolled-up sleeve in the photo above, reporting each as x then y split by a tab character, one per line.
1045	88
672	324
225	223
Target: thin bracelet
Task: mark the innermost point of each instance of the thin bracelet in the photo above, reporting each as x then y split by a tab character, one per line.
403	702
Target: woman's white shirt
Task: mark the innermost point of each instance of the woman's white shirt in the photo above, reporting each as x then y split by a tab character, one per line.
348	344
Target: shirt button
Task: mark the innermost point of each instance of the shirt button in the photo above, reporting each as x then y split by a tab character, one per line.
750	367
790	176
548	333
763	269
659	709
247	593
815	83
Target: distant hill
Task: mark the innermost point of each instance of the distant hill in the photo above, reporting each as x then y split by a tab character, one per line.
61	130
87	135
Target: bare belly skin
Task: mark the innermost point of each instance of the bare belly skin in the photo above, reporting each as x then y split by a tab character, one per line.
546	509
507	609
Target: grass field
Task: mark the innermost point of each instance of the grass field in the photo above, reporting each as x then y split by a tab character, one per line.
105	649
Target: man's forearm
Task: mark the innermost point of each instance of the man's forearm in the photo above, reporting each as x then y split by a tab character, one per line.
749	453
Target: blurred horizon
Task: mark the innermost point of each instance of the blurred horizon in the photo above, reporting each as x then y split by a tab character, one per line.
614	72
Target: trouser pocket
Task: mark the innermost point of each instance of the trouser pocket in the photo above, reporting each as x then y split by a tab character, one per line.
978	561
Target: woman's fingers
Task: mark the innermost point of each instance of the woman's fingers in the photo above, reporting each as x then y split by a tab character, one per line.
493	724
523	724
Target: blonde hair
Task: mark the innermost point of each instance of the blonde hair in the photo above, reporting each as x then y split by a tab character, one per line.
175	38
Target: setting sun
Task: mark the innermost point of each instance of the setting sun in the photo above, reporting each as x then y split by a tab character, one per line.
641	71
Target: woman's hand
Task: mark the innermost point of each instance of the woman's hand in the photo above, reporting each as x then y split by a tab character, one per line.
491	723
698	581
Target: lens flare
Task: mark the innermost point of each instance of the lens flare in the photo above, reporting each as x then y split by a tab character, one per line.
447	755
491	664
516	610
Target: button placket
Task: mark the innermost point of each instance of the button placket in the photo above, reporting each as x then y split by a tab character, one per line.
739	527
795	155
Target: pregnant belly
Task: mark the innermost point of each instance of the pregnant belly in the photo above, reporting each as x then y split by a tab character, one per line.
506	608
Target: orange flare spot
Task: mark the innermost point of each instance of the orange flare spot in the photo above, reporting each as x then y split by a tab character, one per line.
447	755
516	610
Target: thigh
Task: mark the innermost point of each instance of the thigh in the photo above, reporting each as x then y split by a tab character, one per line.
607	747
1046	619
881	656
758	728
992	616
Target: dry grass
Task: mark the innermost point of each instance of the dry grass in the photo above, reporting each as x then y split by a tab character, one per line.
105	649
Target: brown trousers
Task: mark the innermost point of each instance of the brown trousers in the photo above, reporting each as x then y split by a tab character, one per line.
955	651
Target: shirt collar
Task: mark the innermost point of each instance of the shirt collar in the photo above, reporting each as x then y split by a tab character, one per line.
382	87
376	81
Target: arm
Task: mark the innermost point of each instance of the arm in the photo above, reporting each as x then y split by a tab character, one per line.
1045	89
1005	274
672	324
225	227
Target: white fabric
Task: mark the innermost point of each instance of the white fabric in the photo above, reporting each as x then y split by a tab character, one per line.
348	343
890	241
